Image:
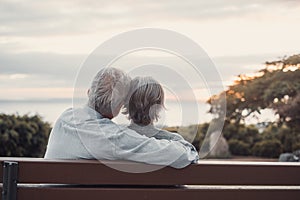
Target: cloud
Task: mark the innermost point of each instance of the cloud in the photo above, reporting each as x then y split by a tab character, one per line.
222	8
45	70
42	18
42	75
35	93
30	30
37	75
36	18
78	26
58	65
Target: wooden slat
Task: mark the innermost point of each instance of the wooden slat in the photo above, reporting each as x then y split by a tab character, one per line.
1	191
204	173
1	180
155	194
1	173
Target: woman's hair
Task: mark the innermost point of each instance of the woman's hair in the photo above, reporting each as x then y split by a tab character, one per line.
108	91
144	100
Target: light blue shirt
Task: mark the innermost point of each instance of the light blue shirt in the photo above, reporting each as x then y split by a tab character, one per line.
82	133
152	131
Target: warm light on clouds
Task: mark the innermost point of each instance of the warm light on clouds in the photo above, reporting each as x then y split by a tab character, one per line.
43	43
35	93
228	27
13	76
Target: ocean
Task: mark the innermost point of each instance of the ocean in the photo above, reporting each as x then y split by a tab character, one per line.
175	114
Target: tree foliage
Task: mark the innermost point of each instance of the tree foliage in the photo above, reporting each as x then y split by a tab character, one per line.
23	135
276	87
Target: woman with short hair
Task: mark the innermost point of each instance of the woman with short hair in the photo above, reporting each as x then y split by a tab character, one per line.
143	104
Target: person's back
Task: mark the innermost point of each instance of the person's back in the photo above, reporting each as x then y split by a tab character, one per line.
89	133
71	135
143	104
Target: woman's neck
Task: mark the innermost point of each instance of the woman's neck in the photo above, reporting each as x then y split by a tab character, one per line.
137	124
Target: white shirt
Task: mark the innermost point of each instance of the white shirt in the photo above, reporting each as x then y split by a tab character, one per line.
82	133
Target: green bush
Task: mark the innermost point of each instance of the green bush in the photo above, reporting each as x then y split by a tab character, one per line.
237	147
23	135
270	148
193	133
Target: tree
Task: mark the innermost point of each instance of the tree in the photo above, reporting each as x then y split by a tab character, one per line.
23	135
276	87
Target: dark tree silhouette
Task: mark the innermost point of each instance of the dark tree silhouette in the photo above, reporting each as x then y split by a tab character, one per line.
23	135
276	87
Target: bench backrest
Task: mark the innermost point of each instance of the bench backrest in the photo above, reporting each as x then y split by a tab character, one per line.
222	177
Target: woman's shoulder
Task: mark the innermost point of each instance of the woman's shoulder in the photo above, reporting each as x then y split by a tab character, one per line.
148	130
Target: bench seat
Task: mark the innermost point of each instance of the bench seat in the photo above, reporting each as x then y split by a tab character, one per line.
37	178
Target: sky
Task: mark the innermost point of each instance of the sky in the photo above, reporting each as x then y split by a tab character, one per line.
44	43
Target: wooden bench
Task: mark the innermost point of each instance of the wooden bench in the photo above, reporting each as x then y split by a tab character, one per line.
39	179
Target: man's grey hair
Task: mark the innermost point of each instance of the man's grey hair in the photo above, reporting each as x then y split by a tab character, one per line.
108	91
144	100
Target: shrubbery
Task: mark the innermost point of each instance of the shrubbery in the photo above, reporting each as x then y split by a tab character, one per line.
23	135
245	140
237	147
28	136
268	148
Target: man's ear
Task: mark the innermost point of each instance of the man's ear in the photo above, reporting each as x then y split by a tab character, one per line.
88	92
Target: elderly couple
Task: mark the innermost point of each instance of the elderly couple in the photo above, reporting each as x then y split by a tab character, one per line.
88	132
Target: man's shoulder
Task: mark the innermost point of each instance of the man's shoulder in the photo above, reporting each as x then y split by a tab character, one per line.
79	115
85	119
